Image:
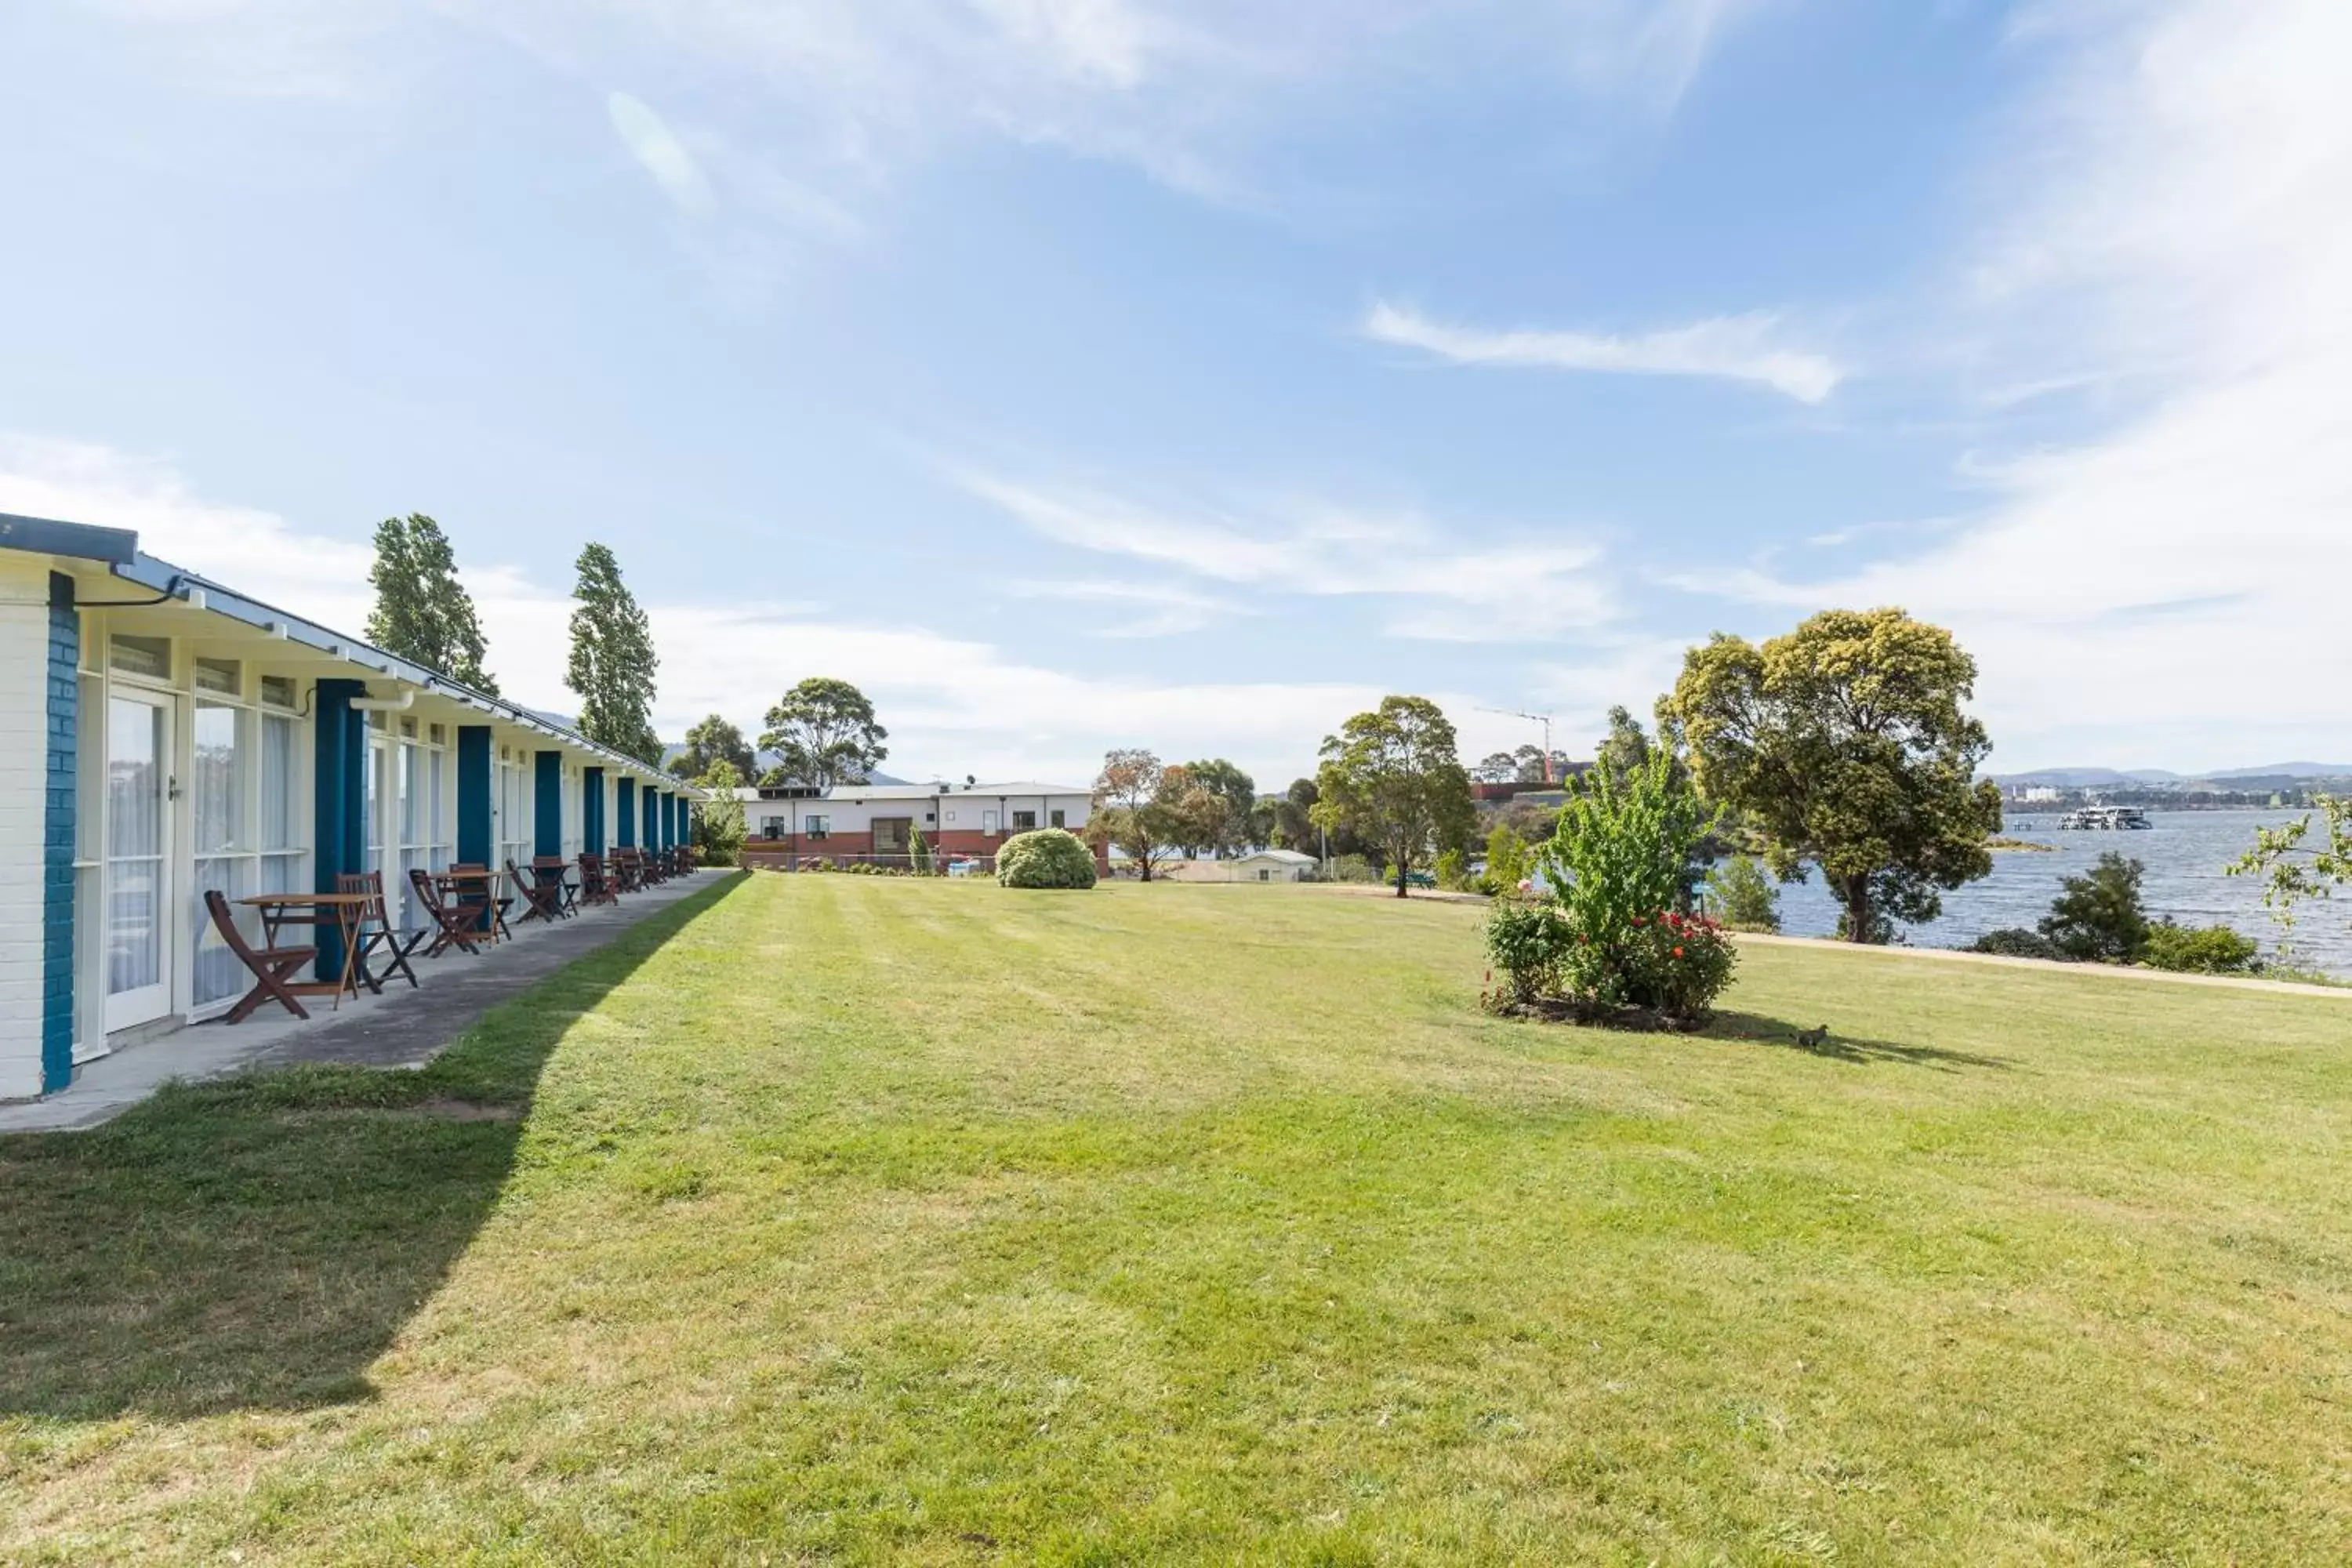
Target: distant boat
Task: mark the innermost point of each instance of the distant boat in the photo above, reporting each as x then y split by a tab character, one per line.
2105	817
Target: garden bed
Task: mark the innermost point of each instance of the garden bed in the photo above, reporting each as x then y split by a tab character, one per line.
1598	1016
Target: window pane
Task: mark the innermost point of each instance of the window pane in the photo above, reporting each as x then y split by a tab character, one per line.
222	675
277	782
150	656
219	779
411	792
218	969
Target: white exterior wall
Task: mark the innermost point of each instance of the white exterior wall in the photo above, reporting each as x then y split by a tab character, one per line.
852	813
24	814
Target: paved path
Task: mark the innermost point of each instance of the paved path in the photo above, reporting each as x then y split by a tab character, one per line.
402	1027
2115	971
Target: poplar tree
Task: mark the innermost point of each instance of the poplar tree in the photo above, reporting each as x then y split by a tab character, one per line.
422	612
613	661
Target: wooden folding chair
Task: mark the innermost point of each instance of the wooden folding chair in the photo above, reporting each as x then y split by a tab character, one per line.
272	967
454	923
595	884
626	867
541	899
385	938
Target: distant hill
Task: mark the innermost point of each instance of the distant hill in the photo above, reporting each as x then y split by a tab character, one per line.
2289	771
2088	778
2273	774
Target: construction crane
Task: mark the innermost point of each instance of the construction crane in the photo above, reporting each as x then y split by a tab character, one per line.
1542	718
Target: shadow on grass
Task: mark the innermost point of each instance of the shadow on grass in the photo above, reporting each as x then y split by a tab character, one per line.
1845	1048
257	1241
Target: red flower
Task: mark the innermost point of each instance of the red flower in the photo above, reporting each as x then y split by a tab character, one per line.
1678	953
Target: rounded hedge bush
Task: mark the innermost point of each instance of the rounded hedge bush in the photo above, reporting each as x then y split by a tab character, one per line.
2015	944
1048	858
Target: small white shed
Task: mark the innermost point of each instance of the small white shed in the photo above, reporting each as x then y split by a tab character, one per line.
1271	866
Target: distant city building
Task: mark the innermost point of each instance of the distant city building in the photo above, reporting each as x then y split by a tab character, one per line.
785	825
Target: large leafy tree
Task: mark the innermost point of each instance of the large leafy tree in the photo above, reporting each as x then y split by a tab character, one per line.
712	742
1843	745
613	662
1625	748
1231	794
422	612
1128	812
1391	776
718	826
822	733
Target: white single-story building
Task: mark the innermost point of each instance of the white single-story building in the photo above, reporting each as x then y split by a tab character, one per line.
161	735
1271	866
852	822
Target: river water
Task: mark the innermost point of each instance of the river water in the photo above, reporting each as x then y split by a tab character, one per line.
2184	852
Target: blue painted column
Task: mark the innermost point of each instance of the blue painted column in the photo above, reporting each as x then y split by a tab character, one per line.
591	810
58	805
547	818
669	819
478	842
650	831
474	841
338	804
626	815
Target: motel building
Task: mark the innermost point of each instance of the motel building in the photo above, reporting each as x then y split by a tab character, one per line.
161	735
788	825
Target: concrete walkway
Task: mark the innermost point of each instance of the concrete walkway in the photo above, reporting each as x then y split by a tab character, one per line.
2111	971
402	1027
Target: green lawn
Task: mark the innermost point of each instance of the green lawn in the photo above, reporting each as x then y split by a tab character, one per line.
878	1220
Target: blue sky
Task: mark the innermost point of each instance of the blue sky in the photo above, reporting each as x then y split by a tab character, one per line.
1082	372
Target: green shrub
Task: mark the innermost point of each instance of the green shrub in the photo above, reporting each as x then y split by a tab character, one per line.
1508	861
2198	950
1046	858
1616	870
2015	944
1745	898
2097	916
1527	944
1452	871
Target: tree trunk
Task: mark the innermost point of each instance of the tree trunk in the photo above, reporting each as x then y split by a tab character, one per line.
1857	909
1400	871
1146	863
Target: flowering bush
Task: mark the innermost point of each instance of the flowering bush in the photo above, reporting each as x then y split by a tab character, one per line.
1671	963
1607	941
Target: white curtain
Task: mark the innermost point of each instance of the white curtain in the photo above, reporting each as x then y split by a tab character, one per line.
217	799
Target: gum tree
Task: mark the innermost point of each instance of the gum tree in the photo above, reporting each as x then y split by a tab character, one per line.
824	733
1844	746
1392	777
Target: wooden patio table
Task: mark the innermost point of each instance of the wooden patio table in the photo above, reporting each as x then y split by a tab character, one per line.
342	911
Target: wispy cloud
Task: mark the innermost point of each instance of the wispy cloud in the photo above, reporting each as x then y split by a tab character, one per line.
2184	570
954	705
1139	609
659	151
835	94
1538	589
1736	348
